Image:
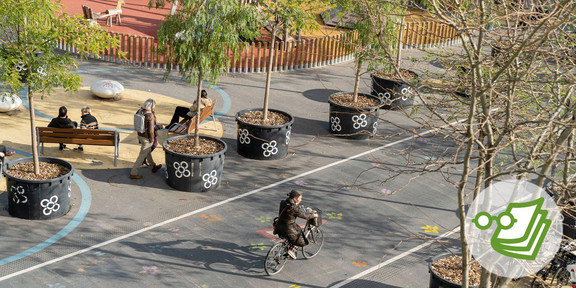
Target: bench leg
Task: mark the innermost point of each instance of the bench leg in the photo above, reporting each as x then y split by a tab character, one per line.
214	121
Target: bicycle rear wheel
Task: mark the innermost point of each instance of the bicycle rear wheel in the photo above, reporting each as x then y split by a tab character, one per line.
276	259
315	242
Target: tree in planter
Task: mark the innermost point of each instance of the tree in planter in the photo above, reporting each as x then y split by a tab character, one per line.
28	52
290	16
519	119
200	37
379	29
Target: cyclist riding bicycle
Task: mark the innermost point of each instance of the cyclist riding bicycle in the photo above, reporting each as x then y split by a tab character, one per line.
286	225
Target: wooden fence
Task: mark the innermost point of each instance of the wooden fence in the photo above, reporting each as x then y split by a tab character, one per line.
307	53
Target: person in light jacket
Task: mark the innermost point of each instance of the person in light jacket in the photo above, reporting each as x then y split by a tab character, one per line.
147	139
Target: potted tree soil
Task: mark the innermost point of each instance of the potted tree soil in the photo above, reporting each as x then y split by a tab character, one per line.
264	134
446	272
39	187
195	163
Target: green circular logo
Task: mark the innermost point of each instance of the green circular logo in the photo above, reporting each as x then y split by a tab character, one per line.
514	228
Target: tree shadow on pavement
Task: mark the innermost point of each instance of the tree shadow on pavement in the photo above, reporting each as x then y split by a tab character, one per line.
320	95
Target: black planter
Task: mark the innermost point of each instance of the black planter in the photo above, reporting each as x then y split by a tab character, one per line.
39	199
568	213
263	142
194	173
437	281
396	95
353	123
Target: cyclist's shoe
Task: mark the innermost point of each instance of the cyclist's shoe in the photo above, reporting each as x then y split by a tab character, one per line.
292	254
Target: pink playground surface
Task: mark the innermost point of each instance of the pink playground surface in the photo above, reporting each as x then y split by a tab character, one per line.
137	19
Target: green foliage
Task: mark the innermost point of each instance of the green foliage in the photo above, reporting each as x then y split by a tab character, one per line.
378	26
292	15
29	33
202	35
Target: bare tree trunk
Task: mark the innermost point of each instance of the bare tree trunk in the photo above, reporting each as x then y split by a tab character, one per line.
462	186
269	72
399	46
199	92
174	7
33	133
357	79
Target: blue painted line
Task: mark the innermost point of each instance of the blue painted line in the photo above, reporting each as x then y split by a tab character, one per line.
24	96
78	218
84	189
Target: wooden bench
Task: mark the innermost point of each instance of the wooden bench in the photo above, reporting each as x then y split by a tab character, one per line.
187	126
79	136
91	15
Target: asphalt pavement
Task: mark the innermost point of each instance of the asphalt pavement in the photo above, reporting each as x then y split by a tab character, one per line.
122	232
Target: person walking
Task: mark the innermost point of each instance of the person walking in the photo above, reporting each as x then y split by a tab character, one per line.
88	122
287	226
3	153
188	113
62	121
147	139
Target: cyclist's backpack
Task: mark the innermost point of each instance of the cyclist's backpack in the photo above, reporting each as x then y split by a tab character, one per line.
140	121
274	222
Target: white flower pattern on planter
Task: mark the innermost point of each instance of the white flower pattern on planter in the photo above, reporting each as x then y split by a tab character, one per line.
288	137
243	136
50	205
335	124
20	67
181	169
18	196
69	189
374	127
270	148
210	179
42	70
406	91
359	121
386	97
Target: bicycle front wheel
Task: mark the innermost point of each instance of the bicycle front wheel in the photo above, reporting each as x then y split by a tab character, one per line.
561	278
276	259
315	242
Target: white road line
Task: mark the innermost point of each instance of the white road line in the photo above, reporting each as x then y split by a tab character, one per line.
394	259
208	207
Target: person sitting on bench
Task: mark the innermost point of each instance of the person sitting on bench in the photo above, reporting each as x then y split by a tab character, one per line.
188	113
62	122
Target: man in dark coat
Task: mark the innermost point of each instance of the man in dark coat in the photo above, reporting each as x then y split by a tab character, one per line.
62	122
287	226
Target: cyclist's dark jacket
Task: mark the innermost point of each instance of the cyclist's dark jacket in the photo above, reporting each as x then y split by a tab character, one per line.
287	222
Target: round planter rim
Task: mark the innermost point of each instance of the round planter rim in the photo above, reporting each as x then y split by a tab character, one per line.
442	256
366	109
242	112
195	156
372	75
40	159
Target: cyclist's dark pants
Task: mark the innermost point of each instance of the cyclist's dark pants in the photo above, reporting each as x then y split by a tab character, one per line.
300	240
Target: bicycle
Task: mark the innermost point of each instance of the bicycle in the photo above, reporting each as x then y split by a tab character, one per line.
558	269
277	256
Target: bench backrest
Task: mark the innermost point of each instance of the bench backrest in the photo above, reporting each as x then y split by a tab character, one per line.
85	11
77	136
204	114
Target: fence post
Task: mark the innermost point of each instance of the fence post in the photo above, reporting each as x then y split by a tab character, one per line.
259	56
252	46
